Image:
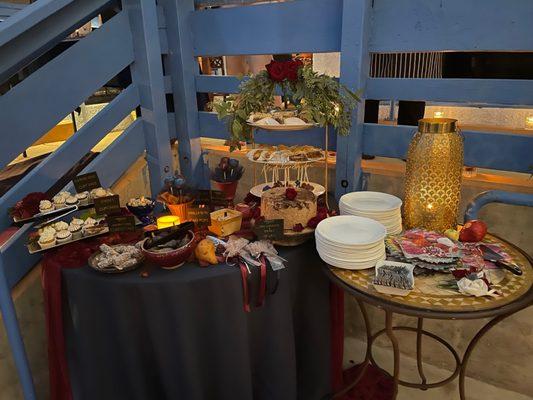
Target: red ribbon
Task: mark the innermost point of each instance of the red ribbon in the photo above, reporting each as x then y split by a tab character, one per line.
262	283
245	294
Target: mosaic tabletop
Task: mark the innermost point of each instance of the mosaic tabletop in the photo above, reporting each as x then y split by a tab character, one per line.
428	296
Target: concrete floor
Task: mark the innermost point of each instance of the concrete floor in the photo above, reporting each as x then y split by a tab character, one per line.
475	389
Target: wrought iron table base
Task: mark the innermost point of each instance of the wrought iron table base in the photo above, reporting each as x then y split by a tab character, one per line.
460	364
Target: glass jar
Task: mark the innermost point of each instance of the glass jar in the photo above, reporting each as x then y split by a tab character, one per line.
433	175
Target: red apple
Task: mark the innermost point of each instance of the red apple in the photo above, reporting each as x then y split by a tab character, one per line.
473	231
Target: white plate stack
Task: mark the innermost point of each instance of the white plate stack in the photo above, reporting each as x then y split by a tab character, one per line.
381	207
350	242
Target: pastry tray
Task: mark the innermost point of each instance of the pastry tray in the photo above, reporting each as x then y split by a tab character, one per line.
34	247
281	127
53	213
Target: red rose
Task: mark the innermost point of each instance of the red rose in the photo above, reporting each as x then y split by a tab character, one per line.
313	222
292	69
298	228
291	193
277	70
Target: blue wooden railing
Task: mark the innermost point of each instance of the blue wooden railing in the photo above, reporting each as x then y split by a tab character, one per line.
159	43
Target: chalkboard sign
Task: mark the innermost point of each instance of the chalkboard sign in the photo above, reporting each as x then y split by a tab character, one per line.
121	223
271	229
200	215
211	198
107	205
86	182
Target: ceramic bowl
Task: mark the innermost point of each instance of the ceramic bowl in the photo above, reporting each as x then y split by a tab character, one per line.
171	259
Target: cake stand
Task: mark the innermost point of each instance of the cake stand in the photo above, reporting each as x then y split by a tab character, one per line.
293	128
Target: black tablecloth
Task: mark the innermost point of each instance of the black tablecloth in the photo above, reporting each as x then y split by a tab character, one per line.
183	334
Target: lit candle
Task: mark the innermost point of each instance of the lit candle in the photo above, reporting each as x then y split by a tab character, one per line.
438	114
529	122
167	221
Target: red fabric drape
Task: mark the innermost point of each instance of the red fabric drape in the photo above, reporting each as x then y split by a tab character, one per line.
73	255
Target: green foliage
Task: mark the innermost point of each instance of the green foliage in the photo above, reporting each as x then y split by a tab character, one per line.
318	98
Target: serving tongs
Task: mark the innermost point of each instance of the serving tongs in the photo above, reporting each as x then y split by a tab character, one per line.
62	212
174	233
492	256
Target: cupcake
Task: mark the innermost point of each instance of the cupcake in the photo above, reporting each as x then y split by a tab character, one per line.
60	226
77	221
45	206
47	240
63	236
71	201
99	192
59	201
47	230
75	229
64	194
82	197
89	222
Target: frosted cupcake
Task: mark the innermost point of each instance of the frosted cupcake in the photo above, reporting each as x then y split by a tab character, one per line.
47	230
63	236
60	226
71	201
99	192
47	240
76	221
83	197
75	229
59	201
45	206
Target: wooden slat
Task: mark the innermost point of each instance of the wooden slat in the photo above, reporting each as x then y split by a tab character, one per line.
217	84
42	177
39	102
211	127
492	91
437	25
355	62
295	26
39	27
17	261
494	150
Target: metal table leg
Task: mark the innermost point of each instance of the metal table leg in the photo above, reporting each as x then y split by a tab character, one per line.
419	363
396	350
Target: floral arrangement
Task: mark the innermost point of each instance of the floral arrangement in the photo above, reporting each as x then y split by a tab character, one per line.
228	170
317	98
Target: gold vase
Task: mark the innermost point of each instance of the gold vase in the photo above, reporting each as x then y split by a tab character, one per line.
433	175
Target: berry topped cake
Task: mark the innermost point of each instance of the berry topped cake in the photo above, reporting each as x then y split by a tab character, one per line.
295	206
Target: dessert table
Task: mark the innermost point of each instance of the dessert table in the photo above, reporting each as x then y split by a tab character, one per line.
183	334
430	300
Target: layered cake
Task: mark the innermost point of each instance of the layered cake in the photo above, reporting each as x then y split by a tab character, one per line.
293	205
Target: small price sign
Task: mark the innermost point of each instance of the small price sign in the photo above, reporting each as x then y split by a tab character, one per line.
86	182
211	198
121	223
271	229
107	205
200	215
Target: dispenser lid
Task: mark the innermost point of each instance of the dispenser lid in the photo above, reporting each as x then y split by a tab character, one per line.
437	125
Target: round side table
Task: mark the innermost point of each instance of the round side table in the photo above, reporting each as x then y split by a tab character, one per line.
428	301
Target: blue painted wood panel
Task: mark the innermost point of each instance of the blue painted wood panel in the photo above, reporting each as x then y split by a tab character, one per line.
447	25
38	27
494	91
217	84
42	177
38	103
147	72
494	150
355	64
182	67
294	26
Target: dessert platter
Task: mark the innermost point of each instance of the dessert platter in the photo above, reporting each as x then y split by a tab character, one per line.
285	155
316	188
116	259
56	234
38	206
280	120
